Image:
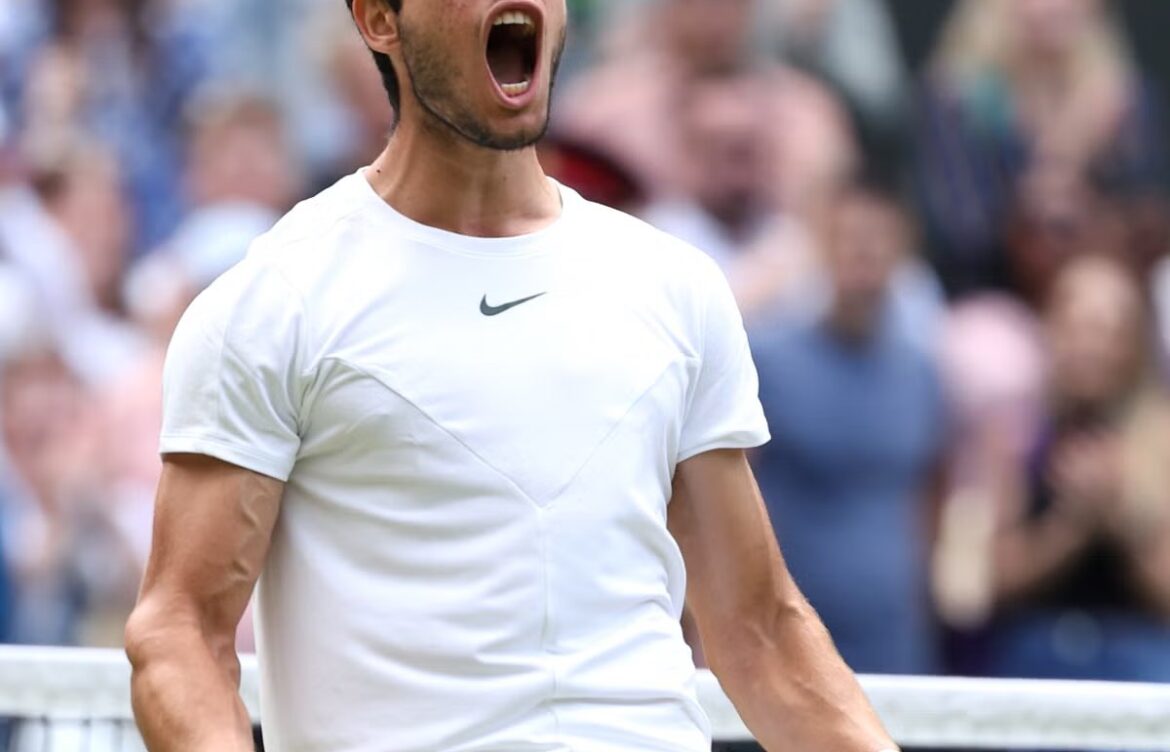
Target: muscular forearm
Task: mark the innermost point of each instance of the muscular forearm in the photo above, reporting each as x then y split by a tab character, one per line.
186	697
794	691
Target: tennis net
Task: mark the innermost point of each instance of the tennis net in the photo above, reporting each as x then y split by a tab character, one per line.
68	700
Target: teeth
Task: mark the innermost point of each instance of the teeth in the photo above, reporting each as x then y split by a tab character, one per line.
516	18
515	90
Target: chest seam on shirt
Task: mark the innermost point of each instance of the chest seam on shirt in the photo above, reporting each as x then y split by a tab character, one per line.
482	460
554	497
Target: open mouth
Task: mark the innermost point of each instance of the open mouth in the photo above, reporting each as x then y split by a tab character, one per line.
511	51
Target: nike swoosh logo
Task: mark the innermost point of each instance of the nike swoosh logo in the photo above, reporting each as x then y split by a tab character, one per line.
491	310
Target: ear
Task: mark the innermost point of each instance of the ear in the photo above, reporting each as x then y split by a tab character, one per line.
378	24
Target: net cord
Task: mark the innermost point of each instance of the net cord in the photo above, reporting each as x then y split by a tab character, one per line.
78	684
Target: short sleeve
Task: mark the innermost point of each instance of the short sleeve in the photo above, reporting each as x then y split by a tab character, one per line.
724	410
232	383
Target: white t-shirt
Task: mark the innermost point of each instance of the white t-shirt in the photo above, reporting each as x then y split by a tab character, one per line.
472	552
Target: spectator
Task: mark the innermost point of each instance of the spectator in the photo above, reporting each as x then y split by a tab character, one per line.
80	187
1058	215
41	250
722	201
1081	575
72	577
237	151
120	71
240	177
1026	96
993	365
626	107
858	429
67	572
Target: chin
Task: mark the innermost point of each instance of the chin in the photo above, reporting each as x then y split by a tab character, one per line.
518	131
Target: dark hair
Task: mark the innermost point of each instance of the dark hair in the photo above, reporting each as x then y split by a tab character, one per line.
385	66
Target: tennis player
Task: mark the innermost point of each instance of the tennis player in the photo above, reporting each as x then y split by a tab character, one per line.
466	429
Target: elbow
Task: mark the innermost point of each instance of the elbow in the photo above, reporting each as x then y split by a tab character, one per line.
148	635
158	634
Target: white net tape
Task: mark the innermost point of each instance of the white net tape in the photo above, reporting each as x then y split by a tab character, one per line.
67	686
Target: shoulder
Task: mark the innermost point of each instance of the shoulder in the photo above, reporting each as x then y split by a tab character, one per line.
665	280
252	305
640	247
270	285
320	236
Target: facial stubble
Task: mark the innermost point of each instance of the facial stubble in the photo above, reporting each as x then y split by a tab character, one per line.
433	87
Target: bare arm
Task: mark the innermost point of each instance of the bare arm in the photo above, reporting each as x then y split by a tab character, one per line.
769	649
212	527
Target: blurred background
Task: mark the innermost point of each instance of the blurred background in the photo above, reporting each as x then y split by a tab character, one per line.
946	224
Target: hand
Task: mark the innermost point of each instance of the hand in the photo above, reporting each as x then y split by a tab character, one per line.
1086	476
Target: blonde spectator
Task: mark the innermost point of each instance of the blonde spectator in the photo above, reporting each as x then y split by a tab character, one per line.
1020	91
1056	58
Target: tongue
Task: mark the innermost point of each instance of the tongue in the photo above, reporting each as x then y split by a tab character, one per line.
506	58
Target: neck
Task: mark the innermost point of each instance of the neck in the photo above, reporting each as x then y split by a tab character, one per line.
436	177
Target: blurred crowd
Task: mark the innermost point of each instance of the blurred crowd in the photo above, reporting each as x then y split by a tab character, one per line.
953	275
